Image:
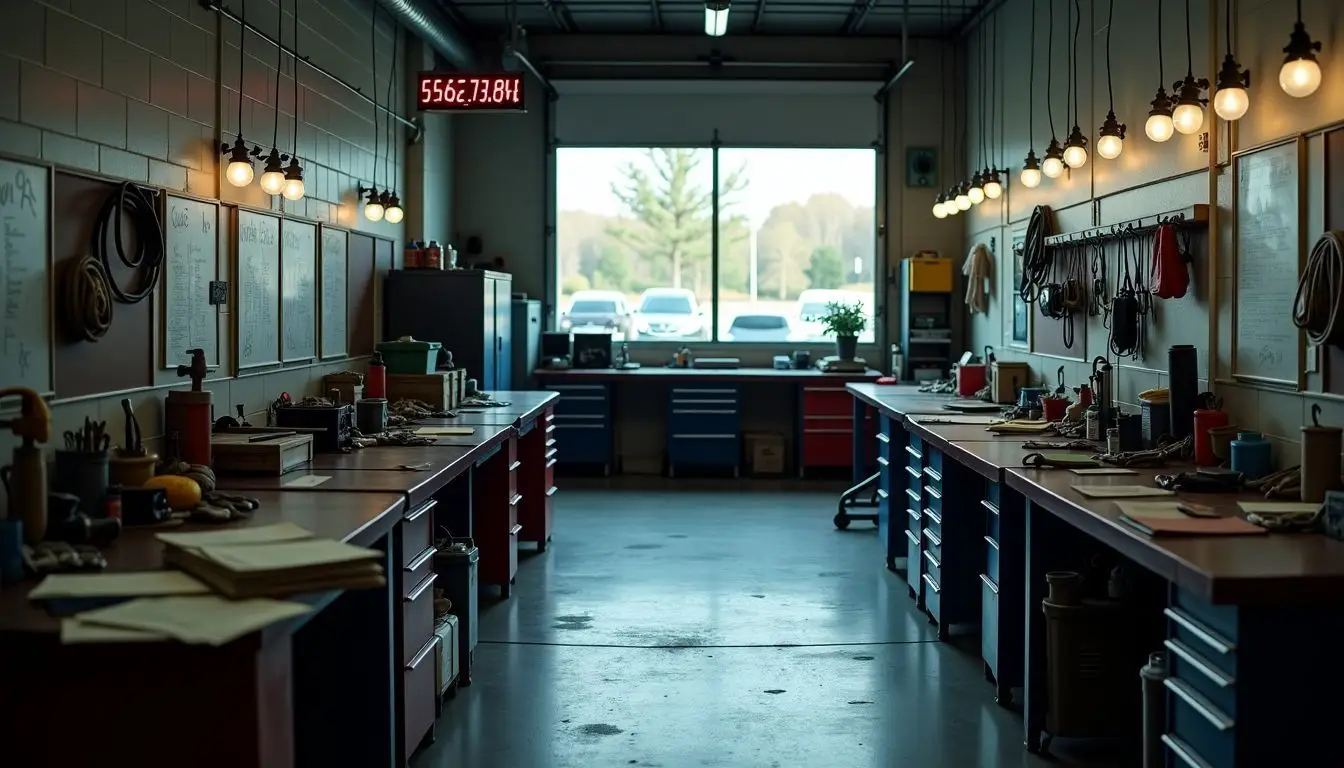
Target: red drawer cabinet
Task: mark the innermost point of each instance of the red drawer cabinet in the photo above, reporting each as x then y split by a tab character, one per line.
536	480
495	496
826	437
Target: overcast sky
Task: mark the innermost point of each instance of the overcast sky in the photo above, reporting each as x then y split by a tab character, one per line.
775	176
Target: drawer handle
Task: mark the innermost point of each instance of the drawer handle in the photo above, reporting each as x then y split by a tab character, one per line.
703	401
883	463
707	437
549	429
583	416
1197	702
882	438
909	534
933	537
934	561
1184	652
990	507
684	391
933	474
550	442
551	462
914	496
934	516
422	655
420	511
913	473
513	501
984	577
550	454
515	465
584	426
829	417
913	451
991	542
421	587
420	559
514	529
827	431
578	387
584	398
932	584
704	411
881	494
1184	751
934	492
913	513
551	491
831	390
1213	639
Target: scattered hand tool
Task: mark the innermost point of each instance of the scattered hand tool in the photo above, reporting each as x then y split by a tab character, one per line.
1061	389
132	445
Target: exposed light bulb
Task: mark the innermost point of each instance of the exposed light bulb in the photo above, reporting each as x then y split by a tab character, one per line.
1031	177
1075	156
1052	167
373	209
1231	103
938	211
1110	147
976	195
294	188
963	200
240	173
394	213
716	18
1159	126
1300	78
1188	118
273	179
994	189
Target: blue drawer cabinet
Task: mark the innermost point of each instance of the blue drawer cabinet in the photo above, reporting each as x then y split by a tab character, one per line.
1001	585
913	540
704	427
583	424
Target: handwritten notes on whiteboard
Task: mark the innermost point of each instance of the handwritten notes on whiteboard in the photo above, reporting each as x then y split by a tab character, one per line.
298	292
258	286
1267	343
25	328
192	262
333	281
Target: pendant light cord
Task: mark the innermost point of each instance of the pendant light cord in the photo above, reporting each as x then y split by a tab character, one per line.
391	131
1068	65
279	65
373	62
1110	24
1227	22
1049	66
995	87
1031	84
294	153
242	57
982	74
1161	65
942	93
1189	47
1077	25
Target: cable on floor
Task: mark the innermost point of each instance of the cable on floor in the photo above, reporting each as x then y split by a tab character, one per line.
1320	291
140	207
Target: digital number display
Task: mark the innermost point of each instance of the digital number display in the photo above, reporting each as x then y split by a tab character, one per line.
455	92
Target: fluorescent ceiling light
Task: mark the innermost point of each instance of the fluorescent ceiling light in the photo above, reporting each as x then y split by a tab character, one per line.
716	17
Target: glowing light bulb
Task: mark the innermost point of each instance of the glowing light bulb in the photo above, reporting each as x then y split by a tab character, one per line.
938	211
993	190
1052	167
976	195
1300	78
273	182
1075	156
294	189
239	173
1031	177
1188	118
373	210
1231	103
1159	127
1110	147
963	201
394	214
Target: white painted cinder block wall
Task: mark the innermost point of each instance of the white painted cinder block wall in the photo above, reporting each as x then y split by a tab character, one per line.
145	90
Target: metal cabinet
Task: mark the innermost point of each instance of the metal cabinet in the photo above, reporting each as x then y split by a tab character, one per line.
704	427
583	424
1001	589
469	311
941	536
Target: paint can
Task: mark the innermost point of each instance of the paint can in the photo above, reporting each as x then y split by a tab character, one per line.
371	415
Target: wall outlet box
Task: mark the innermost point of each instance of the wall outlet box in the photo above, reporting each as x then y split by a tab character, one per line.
219	293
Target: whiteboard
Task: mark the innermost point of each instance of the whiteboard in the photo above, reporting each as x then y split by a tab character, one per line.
25	323
334	311
1267	346
258	284
298	292
191	262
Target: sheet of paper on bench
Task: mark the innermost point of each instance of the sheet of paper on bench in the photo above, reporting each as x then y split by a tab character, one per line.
259	534
1120	491
1279	507
76	632
307	481
199	619
248	558
135	584
1167	510
445	431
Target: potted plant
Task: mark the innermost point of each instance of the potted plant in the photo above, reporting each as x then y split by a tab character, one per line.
845	322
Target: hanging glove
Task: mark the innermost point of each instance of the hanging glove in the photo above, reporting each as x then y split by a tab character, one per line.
1171	279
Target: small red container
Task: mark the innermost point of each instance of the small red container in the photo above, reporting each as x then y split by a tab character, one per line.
971	379
1204	421
1054	407
1085	395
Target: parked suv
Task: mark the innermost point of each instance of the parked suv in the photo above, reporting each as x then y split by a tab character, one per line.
597	311
669	314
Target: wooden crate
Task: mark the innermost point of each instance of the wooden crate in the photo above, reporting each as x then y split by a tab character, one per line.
237	454
433	388
348	383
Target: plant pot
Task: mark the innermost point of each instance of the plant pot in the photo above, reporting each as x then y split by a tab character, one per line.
846	347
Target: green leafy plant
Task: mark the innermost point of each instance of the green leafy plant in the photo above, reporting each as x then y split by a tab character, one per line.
841	319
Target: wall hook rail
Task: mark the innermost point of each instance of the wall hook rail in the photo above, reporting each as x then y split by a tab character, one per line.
1193	217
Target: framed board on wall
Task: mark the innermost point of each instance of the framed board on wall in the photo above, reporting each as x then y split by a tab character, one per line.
1018	323
25	273
258	295
1266	347
191	264
298	292
333	333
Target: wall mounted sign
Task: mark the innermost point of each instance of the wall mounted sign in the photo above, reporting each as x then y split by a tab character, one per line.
462	92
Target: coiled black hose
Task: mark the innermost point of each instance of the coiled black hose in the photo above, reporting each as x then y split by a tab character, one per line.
1035	260
139	206
87	300
1320	292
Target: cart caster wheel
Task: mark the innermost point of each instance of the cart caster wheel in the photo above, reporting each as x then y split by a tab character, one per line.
841	520
541	547
891	563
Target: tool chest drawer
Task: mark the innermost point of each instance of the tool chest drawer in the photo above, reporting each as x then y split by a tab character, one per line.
991	519
915	565
933	520
827	401
1206	731
989	622
704	426
992	559
933	545
417	617
932	595
582	419
992	494
582	399
887	438
417	531
419	695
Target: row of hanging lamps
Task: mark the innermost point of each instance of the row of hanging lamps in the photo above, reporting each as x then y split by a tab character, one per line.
1053	164
373	206
1230	100
1300	74
1075	146
1031	167
1159	126
1111	135
1188	114
384	205
293	189
392	211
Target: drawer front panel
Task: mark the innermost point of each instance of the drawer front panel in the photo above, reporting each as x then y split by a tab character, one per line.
933	520
1219	649
1195	723
933	568
417	617
992	493
703	421
914	479
933	545
417	532
916	444
989	622
583	403
933	597
1201	674
697	395
705	449
419	693
1222	619
915	567
822	448
584	442
992	522
414	572
935	498
992	559
883	509
827	401
886	447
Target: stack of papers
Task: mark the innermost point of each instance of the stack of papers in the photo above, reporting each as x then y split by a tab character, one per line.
1165	518
271	561
1021	427
196	619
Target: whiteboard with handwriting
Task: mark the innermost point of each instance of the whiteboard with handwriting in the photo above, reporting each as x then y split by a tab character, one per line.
334	245
1267	346
298	293
191	263
25	323
258	289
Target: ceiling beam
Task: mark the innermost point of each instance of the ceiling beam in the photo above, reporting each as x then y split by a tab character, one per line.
982	11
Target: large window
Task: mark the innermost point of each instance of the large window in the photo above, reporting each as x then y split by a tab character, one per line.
638	255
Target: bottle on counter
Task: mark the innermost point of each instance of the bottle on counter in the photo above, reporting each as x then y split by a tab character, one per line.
897	361
375	381
413	258
433	255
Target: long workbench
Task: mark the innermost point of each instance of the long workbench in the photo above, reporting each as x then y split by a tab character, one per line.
989	529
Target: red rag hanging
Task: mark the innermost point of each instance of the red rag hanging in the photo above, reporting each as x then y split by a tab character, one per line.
1171	279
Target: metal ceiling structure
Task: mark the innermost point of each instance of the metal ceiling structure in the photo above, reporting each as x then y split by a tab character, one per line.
839	18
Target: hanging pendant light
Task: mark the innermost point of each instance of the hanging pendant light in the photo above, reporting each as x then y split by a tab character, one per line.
1075	146
976	191
950	202
293	189
373	207
1159	127
963	198
1053	164
938	211
1075	149
394	214
273	178
1031	167
716	18
239	171
1300	74
1111	136
993	185
1229	97
1031	171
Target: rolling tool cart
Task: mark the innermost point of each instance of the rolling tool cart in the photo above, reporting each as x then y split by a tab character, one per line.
861	496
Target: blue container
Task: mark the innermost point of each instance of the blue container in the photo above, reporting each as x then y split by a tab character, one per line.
1030	397
1250	455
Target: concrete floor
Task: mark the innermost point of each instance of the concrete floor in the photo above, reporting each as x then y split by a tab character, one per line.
693	625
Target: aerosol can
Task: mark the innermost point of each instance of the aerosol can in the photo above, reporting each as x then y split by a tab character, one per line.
897	361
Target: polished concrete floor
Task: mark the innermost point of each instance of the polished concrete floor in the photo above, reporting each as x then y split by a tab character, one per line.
695	625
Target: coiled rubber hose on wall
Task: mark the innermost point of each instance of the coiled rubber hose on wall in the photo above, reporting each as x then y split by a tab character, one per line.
1035	260
1320	291
137	205
87	300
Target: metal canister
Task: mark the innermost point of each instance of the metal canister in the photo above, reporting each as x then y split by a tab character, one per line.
1154	709
1092	423
433	255
1113	440
371	415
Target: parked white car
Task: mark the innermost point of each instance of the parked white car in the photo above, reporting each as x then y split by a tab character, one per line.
669	314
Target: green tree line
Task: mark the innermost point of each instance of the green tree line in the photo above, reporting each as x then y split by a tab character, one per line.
665	237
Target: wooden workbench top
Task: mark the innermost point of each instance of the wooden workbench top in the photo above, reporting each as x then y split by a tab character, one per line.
989	458
359	518
523	405
651	373
1273	568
